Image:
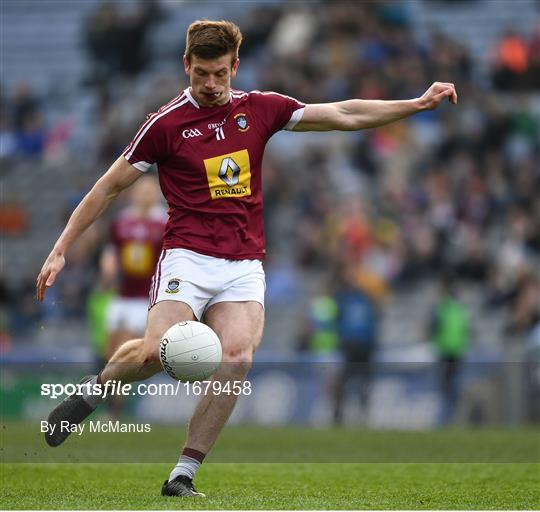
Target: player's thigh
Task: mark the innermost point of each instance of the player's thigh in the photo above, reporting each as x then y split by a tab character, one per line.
239	326
160	317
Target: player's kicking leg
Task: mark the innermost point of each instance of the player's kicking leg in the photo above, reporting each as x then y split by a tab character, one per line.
239	339
135	360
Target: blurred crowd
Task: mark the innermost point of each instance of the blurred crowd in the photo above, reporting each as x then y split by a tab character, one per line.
451	191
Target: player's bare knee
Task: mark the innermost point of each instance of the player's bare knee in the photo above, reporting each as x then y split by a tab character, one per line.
237	361
238	354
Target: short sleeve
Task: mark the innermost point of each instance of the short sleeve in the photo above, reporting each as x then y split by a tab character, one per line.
279	112
149	146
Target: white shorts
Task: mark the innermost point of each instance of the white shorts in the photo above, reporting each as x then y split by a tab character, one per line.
201	281
127	314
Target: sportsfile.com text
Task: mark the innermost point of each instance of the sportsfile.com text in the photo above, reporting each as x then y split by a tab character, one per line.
118	388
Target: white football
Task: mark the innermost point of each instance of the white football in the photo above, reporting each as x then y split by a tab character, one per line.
190	351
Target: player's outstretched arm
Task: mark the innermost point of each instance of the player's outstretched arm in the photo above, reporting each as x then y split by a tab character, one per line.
120	175
353	115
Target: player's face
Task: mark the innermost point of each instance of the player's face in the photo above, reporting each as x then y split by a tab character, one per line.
210	80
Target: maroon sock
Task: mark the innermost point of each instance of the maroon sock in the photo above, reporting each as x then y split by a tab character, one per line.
194	454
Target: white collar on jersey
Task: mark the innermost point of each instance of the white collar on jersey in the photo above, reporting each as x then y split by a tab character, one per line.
194	102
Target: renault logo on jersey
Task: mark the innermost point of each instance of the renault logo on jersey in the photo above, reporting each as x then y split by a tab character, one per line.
191	133
229	175
241	121
229	171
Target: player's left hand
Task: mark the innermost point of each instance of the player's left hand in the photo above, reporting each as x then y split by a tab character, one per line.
437	93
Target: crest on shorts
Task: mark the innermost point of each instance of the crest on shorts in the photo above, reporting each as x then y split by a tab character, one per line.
241	121
173	286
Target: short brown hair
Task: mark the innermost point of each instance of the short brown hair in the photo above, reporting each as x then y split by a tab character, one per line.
212	39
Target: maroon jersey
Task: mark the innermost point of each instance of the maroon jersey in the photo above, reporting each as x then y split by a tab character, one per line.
209	163
138	243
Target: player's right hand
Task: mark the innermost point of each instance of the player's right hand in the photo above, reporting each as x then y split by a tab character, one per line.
437	92
51	268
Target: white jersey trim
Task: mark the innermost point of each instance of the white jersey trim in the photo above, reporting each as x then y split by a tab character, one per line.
235	93
295	118
141	166
191	98
149	125
151	116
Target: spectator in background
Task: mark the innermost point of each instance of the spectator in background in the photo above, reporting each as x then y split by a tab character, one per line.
533	371
6	306
357	330
318	337
30	140
257	27
525	306
117	39
101	39
533	81
22	127
450	332
24	104
97	305
70	298
318	333
26	311
8	140
510	62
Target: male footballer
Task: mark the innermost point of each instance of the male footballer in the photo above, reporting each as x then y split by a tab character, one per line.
208	145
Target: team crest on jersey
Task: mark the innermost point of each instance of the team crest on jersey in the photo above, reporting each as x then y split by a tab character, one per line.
241	121
173	286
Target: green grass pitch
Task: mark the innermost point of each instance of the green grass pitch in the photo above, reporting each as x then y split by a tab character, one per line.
400	470
275	486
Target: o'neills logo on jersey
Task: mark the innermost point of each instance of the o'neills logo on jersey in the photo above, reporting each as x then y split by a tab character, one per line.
213	126
241	121
229	175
